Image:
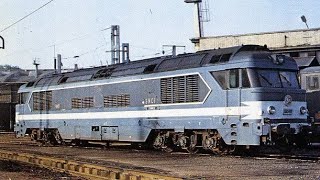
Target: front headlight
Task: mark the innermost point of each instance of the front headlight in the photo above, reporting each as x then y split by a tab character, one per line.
271	110
303	110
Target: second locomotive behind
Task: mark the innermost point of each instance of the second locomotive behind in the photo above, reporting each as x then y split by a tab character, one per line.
213	100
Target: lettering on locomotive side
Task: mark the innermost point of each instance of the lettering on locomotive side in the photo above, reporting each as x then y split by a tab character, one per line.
152	100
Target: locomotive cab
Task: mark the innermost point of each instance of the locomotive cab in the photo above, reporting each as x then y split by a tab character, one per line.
270	91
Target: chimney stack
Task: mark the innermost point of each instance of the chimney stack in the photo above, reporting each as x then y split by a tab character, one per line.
59	63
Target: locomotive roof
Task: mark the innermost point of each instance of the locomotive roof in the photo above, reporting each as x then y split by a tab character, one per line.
146	66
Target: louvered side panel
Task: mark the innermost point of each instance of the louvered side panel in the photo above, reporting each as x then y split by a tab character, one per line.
180	89
36	101
49	100
76	103
193	88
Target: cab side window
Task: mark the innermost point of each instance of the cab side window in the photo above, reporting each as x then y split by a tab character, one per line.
221	78
234	78
23	98
245	79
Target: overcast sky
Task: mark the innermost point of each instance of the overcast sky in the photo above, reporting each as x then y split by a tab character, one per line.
74	26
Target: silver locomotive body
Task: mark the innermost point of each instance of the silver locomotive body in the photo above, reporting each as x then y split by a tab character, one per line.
210	99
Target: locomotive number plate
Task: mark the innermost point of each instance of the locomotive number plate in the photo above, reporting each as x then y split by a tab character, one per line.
287	111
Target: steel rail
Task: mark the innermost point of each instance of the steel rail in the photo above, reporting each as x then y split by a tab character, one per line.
81	169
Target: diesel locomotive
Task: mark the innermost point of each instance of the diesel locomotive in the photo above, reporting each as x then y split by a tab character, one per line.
214	100
309	78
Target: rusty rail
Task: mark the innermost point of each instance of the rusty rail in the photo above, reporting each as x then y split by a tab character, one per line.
85	170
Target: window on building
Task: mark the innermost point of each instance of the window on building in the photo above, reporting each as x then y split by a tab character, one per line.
312	53
312	82
294	54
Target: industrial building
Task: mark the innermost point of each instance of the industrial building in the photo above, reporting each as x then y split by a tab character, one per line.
303	45
10	81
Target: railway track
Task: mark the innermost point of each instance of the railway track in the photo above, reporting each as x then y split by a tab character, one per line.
306	157
297	154
76	168
81	169
168	165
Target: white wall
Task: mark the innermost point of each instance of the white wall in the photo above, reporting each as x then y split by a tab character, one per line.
271	39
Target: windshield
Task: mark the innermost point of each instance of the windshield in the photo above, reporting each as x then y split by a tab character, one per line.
274	78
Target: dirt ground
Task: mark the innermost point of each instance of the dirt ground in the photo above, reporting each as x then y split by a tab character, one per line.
13	171
199	166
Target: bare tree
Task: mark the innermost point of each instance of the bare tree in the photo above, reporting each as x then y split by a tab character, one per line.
8	67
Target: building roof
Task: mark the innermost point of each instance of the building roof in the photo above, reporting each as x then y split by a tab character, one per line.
274	40
310	70
19	76
306	61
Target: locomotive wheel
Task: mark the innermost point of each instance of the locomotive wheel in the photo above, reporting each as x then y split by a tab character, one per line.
45	138
192	142
34	135
219	150
192	150
283	144
163	142
214	143
301	141
57	138
168	149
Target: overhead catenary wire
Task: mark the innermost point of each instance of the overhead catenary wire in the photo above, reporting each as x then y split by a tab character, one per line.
145	48
103	35
87	52
163	52
24	17
79	38
55	45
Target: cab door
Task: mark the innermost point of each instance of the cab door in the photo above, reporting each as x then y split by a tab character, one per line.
233	92
238	81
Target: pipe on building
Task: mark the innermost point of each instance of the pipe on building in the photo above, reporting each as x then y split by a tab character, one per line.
2	47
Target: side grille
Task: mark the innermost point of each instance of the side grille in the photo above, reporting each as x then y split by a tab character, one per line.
42	100
48	99
122	100
76	103
180	89
36	101
86	102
